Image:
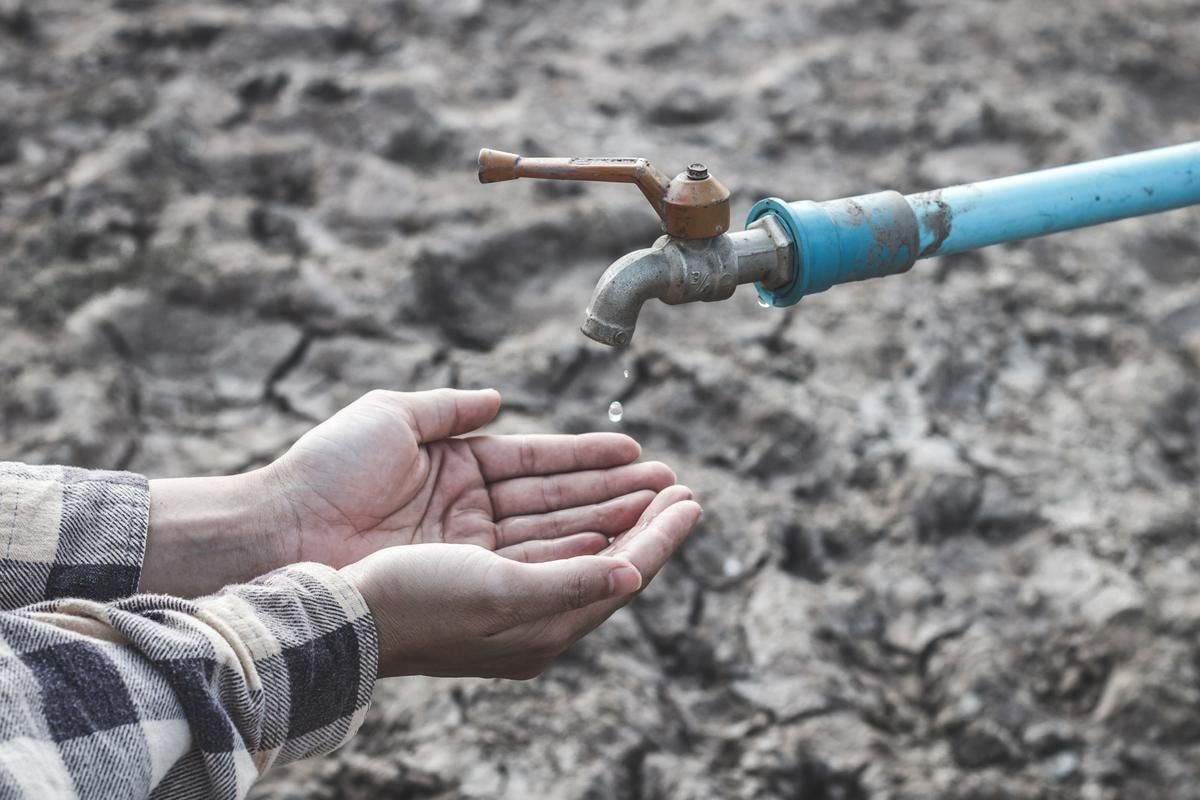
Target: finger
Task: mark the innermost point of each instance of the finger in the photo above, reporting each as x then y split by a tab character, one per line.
441	413
650	549
521	496
610	517
648	555
662	501
504	457
534	591
536	551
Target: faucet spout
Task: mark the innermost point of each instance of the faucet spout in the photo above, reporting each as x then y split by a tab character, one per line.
629	282
684	271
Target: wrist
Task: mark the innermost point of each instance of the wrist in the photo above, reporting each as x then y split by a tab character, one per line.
358	576
206	533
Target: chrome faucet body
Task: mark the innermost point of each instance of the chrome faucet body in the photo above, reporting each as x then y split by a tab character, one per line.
678	271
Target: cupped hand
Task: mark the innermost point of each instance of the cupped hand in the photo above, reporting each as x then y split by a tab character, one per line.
454	610
389	469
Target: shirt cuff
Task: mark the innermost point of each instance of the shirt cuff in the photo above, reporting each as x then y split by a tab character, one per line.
67	532
316	654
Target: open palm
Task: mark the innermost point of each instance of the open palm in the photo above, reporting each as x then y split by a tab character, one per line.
387	470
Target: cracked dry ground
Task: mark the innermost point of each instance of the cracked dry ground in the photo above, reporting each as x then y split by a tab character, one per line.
952	546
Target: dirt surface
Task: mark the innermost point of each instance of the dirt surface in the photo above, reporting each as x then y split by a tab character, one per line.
952	546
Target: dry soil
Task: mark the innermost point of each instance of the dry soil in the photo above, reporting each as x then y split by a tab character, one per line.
953	546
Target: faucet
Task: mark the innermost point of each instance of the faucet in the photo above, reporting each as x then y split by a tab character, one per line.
695	260
789	250
677	270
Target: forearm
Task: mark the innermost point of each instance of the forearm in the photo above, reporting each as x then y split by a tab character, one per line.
206	533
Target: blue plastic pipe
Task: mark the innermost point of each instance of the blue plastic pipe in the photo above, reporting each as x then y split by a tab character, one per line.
885	233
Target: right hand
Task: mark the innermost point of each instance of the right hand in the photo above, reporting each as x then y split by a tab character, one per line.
459	610
399	468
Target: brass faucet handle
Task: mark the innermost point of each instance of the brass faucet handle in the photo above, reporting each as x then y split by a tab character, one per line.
693	205
495	166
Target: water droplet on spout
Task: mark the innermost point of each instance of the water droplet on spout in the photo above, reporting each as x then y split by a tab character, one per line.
615	412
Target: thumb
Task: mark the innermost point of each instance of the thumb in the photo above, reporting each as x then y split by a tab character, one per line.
554	587
441	413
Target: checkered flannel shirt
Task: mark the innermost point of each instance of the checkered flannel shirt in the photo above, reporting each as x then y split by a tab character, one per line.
108	693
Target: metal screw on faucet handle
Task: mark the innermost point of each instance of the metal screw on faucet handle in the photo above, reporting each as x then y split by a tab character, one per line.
697	172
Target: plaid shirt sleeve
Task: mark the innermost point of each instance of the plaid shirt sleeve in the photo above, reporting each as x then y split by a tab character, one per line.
67	532
156	695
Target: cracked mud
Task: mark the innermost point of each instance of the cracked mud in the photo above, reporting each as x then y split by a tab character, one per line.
953	540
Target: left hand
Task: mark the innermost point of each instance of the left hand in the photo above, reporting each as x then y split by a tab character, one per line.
453	610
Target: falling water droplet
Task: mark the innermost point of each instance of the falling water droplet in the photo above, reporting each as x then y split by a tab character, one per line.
763	303
615	412
626	374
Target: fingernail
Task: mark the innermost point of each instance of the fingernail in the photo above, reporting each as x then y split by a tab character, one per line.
624	580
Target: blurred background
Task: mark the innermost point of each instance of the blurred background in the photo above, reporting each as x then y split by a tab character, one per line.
952	546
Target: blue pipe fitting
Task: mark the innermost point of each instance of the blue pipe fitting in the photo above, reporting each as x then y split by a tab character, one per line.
839	241
885	233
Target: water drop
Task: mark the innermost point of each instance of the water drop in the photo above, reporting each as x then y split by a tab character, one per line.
763	303
626	374
732	566
1065	765
615	412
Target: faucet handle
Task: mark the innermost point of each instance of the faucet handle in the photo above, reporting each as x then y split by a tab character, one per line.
692	205
495	165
